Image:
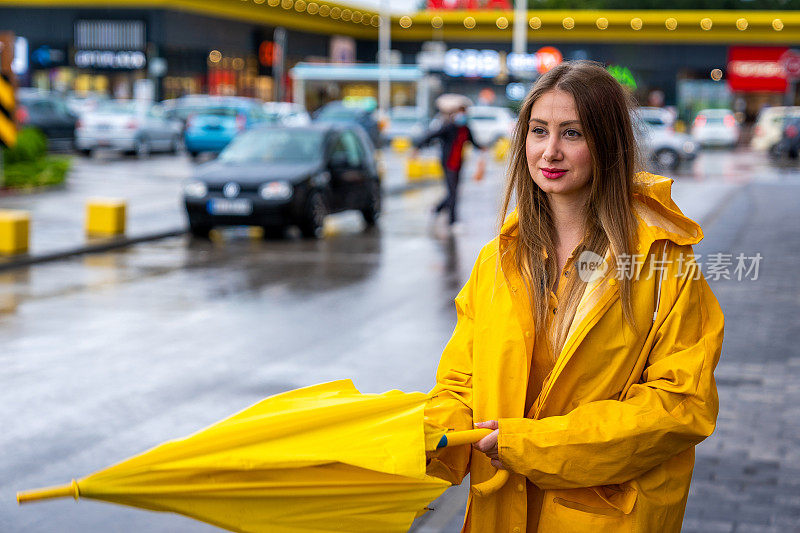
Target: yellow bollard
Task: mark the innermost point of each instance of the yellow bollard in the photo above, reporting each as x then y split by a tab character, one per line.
105	217
401	144
501	148
433	168
414	169
14	231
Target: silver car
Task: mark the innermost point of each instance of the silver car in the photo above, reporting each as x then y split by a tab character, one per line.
130	126
662	146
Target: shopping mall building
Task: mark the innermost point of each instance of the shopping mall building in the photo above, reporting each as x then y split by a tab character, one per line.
314	51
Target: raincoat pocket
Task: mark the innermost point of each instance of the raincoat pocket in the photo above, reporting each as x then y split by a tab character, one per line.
587	511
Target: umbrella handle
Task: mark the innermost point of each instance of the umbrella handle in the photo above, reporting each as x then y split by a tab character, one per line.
455	438
490	486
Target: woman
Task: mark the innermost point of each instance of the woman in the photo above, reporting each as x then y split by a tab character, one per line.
594	371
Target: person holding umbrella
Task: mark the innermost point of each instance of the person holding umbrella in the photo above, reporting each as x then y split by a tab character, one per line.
586	337
452	134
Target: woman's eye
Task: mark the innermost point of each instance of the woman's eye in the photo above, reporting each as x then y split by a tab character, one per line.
573	133
538	131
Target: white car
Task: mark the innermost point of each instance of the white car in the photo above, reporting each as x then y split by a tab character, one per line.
657	116
405	121
768	129
129	126
715	127
490	123
287	113
661	145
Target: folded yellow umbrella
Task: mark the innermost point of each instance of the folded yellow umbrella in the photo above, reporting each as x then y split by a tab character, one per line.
321	458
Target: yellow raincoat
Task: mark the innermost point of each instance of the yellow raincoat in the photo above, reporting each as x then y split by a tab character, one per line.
611	437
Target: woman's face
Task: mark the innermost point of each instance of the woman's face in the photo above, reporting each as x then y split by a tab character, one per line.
558	155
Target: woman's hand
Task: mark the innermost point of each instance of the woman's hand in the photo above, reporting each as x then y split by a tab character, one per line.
488	444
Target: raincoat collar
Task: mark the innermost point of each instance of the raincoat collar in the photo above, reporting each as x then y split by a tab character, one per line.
657	215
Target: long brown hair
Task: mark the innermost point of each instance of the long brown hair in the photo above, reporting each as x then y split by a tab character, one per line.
604	109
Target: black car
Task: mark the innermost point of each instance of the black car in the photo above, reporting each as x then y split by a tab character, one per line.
48	113
343	112
789	145
277	176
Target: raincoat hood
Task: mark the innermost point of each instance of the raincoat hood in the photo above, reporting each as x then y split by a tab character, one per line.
657	214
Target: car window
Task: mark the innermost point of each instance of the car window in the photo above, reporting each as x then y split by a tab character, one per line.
348	145
44	107
274	145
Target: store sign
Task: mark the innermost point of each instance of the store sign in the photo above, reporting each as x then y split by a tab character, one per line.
46	57
19	65
490	63
623	75
455	5
543	60
106	59
110	35
752	69
472	63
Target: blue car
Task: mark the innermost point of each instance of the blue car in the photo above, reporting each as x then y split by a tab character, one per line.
212	127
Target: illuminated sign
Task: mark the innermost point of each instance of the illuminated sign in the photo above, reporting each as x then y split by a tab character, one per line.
472	63
107	59
542	61
756	68
455	5
622	75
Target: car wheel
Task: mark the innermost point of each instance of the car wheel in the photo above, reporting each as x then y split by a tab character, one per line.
200	231
775	152
86	152
142	148
372	210
274	232
194	155
667	158
313	216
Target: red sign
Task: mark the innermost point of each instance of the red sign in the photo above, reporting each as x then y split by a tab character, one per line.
756	68
456	5
266	53
790	61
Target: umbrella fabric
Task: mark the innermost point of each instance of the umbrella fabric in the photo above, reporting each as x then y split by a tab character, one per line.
322	458
451	102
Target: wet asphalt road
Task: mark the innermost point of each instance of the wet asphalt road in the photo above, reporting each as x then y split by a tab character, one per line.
107	355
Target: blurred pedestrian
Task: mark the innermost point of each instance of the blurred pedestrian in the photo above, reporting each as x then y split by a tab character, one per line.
453	134
585	339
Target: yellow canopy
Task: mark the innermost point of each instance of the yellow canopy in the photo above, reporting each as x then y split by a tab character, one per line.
321	458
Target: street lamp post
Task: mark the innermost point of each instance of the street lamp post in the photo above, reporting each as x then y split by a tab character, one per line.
384	49
520	37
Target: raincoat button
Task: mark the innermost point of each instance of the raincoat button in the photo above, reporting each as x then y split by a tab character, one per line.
513	289
516	530
520	487
528	334
612	282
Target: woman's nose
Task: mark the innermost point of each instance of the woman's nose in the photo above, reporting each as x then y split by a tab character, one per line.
552	150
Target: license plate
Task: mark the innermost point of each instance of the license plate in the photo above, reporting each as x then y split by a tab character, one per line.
221	206
103	142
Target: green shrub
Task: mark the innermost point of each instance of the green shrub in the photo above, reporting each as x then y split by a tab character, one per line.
28	165
31	146
46	171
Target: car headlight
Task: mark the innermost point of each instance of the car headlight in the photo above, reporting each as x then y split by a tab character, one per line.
275	190
689	147
195	189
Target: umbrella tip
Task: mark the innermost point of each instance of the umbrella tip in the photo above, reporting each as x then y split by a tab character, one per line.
63	491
